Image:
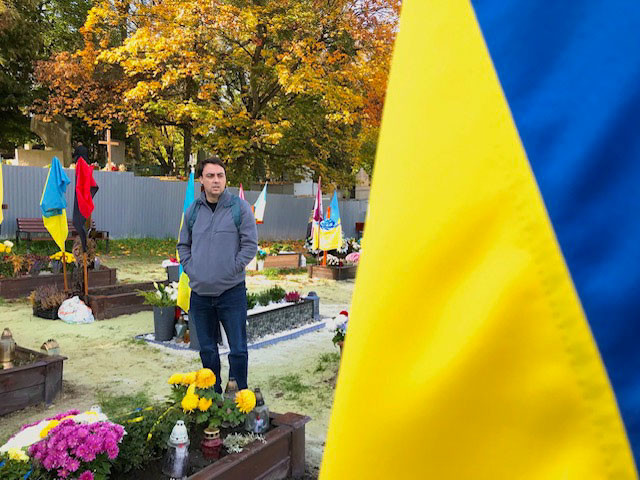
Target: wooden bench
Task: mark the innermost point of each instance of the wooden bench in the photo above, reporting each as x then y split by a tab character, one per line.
34	229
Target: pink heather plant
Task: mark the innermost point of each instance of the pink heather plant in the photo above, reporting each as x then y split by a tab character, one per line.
72	447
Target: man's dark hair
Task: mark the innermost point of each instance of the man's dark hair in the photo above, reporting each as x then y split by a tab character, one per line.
212	160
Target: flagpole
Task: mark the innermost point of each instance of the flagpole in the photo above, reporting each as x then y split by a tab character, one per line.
64	270
86	276
324	256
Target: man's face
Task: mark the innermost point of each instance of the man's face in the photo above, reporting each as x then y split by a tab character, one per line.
213	179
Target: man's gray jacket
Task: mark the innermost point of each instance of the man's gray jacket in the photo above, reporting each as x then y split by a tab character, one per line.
215	254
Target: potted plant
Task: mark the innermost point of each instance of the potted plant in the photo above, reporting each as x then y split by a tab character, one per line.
46	301
172	266
163	299
194	392
261	255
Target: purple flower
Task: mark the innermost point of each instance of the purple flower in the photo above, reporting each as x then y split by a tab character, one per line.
72	464
86	475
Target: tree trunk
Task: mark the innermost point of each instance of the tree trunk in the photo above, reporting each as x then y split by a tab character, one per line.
137	154
187	147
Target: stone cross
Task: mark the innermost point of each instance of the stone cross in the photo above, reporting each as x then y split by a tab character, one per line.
108	143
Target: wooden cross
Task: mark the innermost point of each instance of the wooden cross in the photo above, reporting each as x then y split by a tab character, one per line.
108	143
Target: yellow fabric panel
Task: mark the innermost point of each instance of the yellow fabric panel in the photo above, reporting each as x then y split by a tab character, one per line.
58	227
184	289
467	355
330	239
184	292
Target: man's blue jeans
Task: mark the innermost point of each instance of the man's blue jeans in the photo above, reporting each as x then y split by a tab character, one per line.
230	309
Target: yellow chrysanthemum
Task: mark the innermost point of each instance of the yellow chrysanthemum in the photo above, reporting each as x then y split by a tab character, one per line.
205	378
17	454
45	431
204	404
188	378
190	403
245	400
176	378
191	390
2	248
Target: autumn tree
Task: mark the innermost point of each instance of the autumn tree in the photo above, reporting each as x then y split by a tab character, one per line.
272	86
31	30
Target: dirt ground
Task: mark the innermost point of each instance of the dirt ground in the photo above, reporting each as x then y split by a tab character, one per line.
105	359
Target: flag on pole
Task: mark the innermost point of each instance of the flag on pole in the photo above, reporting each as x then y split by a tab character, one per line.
260	205
86	188
512	310
184	290
53	203
241	192
317	218
331	227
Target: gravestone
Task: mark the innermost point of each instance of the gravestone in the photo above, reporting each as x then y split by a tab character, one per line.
56	135
363	185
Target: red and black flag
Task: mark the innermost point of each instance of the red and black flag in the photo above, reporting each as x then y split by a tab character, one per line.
86	188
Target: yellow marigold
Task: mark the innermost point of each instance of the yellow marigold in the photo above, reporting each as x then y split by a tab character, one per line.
204	404
45	431
191	390
17	454
245	400
205	378
176	378
189	403
188	378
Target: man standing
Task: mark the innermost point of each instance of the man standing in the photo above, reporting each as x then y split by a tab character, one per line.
80	151
217	241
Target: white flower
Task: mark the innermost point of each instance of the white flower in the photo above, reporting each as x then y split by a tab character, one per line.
158	294
168	263
90	417
7	243
25	438
331	324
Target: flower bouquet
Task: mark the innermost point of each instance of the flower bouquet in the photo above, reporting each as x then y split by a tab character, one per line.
338	326
70	445
194	392
162	296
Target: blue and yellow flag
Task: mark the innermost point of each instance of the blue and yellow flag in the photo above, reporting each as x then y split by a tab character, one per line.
499	340
184	290
53	203
330	232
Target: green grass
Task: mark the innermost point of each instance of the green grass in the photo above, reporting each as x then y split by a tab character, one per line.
326	361
134	247
290	385
275	273
118	405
